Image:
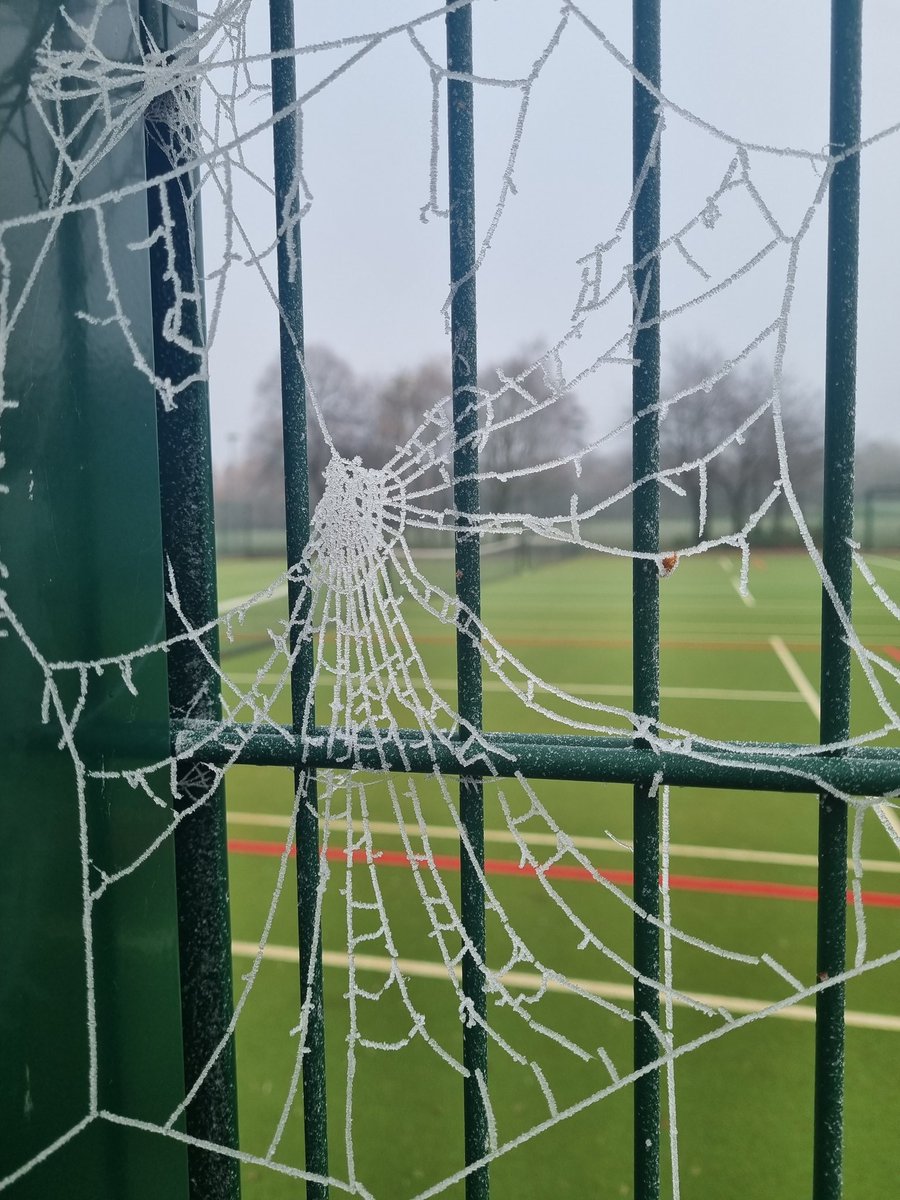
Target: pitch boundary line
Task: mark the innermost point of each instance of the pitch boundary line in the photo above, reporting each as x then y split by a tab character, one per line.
892	564
797	675
811	696
582	689
748	599
528	980
781	858
576	874
236	601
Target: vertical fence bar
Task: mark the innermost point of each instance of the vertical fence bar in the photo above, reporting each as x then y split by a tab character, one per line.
464	342
837	523
297	520
645	579
185	470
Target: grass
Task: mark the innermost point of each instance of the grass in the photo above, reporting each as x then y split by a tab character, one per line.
744	1101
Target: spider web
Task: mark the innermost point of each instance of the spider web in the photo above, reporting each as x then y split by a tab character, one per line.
362	575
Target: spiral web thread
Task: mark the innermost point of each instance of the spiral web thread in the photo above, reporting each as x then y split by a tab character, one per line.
359	575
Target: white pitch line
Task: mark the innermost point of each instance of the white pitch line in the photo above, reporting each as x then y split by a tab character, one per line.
747	598
892	564
778	858
811	696
798	678
579	689
528	981
807	693
892	815
236	601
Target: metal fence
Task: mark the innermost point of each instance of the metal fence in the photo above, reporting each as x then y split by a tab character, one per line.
188	536
574	757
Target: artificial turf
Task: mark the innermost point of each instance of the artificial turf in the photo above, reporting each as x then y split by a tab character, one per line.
744	1100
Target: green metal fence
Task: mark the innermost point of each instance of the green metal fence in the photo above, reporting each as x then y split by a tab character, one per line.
188	542
567	756
585	758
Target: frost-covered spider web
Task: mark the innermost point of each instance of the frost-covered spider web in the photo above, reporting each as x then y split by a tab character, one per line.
365	600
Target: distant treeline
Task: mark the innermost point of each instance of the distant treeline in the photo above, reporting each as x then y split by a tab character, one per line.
710	425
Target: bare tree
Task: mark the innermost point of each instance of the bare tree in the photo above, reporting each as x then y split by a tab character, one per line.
402	402
717	429
346	408
876	465
528	419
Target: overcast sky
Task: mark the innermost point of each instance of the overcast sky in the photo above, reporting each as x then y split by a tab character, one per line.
376	276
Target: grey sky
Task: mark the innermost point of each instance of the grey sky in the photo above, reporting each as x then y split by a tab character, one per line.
375	276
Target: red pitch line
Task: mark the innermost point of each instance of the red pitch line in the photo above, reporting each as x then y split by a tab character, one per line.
892	652
507	866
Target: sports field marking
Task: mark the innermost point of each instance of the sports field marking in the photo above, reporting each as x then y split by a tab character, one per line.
236	601
892	564
780	858
691	639
798	678
811	696
575	874
529	981
583	689
748	599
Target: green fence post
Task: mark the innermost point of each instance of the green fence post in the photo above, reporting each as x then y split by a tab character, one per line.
90	1017
464	350
645	583
837	527
185	469
296	493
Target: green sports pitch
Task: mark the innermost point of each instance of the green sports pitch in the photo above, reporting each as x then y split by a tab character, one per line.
735	666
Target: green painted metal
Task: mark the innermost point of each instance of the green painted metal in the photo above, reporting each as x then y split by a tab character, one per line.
296	492
150	492
90	1015
464	365
749	766
185	470
645	579
837	521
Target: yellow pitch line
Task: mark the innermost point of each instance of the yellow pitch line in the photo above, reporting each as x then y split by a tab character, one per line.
781	858
528	981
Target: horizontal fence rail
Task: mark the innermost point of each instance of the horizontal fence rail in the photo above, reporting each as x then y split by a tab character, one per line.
750	766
